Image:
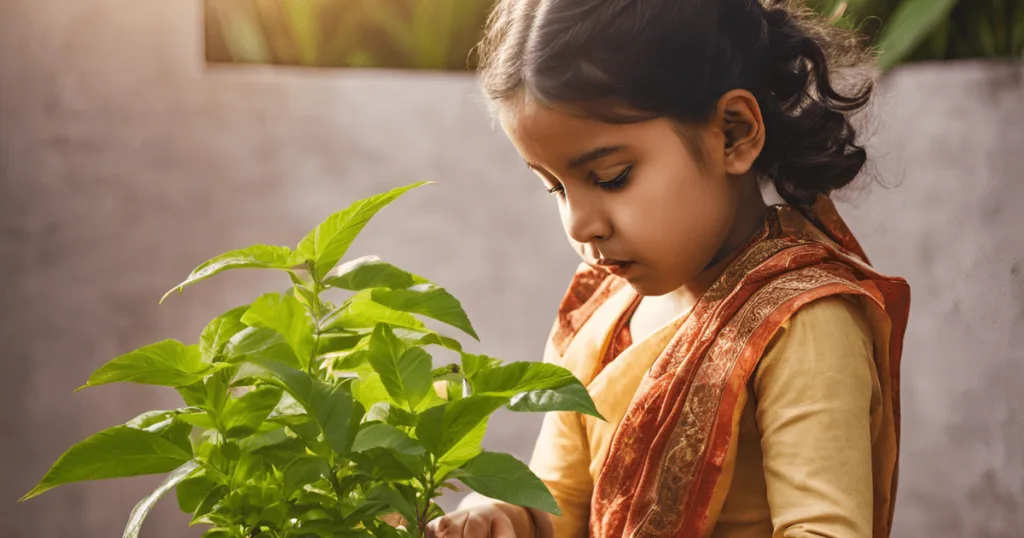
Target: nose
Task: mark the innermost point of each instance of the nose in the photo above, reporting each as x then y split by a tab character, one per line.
585	221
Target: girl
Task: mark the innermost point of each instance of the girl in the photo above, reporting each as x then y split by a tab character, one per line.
745	356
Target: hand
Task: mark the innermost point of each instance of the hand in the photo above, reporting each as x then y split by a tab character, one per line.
481	521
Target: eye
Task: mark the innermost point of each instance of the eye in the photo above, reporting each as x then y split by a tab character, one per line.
617	182
556	189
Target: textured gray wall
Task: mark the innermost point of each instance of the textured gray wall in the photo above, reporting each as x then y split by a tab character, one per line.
123	163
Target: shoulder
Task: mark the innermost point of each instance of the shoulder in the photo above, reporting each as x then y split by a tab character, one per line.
825	342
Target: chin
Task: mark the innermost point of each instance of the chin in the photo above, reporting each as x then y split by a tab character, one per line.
647	288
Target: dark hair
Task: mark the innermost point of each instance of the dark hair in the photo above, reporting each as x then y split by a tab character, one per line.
676	58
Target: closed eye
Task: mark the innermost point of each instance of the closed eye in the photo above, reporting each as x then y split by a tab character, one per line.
617	182
614	184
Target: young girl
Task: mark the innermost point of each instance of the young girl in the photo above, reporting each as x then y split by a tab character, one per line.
745	356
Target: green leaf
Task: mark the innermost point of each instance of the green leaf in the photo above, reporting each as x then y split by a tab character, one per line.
425	338
535	387
386	464
503	477
357	361
472	364
167	424
375	434
286	316
338	342
361	312
199	419
405	372
329	241
910	22
113	453
218	332
370	391
256	256
390	495
191	491
331	406
208	503
256	344
304	470
519	377
194	395
569	398
142	509
168	363
243	415
427	300
441	429
370	272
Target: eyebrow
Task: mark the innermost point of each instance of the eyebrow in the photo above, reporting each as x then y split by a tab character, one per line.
591	155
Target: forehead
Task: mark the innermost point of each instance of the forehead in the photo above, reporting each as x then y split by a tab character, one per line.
548	135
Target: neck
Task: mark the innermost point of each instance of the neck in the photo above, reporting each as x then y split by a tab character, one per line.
750	215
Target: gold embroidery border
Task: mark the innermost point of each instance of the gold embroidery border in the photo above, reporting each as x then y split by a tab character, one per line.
689	439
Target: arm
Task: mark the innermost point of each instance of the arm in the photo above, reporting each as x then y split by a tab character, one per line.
816	387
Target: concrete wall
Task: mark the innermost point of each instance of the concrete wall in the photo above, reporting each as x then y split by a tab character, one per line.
123	163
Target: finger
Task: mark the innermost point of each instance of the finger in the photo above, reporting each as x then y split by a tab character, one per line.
477	526
501	527
451	525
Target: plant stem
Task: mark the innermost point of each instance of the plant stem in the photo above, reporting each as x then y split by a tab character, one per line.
428	494
317	320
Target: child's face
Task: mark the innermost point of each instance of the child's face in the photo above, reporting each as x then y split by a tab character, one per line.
646	201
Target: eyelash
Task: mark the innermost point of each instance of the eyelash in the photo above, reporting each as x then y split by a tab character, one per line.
611	185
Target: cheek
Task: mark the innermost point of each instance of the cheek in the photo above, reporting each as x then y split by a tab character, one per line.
681	224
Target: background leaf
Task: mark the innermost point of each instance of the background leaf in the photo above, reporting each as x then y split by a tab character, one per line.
256	256
168	363
142	509
503	477
907	27
113	453
329	241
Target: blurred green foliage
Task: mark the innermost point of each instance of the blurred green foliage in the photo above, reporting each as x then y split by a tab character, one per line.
439	34
412	34
915	30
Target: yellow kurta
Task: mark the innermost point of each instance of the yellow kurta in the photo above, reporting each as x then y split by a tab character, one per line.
803	461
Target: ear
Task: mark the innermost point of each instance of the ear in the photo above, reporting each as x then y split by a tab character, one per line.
739	118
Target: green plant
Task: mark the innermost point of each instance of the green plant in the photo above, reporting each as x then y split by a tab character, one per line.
912	30
305	418
411	34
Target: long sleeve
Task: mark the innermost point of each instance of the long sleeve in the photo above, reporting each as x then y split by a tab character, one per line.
561	459
816	391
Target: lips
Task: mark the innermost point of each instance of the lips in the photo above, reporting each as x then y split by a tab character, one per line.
613	266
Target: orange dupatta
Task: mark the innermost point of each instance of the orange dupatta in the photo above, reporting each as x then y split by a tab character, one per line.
661	476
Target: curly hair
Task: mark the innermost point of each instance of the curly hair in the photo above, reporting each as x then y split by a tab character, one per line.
676	58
